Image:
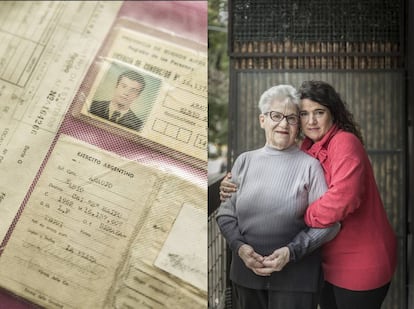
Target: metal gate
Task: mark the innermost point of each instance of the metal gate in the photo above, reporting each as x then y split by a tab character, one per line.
358	47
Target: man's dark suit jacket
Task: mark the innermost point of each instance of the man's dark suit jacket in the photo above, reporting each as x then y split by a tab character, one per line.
129	120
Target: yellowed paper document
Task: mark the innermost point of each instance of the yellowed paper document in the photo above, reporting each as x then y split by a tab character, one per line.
159	272
46	48
173	105
99	231
183	254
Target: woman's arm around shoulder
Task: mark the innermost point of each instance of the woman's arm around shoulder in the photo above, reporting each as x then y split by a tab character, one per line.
346	166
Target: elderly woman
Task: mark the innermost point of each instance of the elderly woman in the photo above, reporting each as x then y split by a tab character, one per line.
359	263
275	261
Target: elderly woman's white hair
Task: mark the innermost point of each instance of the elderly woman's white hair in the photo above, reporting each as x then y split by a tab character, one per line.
280	93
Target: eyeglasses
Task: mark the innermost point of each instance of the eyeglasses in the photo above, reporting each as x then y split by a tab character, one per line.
278	117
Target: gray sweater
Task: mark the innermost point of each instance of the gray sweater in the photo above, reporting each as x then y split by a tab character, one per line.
274	189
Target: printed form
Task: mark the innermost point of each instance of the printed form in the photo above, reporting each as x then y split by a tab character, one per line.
47	47
100	231
97	230
173	105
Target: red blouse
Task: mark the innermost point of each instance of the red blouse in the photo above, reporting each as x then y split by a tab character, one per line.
363	255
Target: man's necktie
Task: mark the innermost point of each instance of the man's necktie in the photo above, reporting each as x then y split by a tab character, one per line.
115	116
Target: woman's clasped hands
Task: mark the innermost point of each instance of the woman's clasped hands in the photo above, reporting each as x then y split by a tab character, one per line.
264	265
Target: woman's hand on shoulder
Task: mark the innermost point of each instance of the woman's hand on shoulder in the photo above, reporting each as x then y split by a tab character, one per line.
227	187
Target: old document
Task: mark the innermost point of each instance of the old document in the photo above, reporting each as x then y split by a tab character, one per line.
100	231
167	263
173	106
46	48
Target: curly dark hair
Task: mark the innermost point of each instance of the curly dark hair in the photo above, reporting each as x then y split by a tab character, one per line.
325	94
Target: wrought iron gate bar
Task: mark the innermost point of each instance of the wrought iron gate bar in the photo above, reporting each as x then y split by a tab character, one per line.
312	54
